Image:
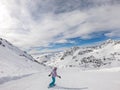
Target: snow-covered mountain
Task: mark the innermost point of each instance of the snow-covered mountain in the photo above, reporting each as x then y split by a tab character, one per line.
14	61
5	43
106	54
43	58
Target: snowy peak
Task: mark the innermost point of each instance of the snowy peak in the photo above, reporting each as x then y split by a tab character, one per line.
105	54
45	57
16	50
14	61
110	41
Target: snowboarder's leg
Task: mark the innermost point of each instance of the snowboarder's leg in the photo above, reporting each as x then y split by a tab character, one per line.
52	83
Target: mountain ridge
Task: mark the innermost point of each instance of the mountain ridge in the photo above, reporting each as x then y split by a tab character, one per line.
102	55
14	61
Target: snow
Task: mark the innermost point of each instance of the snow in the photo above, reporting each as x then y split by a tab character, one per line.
103	55
13	64
19	71
72	79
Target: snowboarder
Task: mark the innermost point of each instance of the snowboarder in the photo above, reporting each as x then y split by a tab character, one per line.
53	74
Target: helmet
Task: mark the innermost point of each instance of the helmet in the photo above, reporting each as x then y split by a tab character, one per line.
55	68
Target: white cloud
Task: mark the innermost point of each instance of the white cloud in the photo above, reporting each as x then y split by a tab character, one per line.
20	24
115	33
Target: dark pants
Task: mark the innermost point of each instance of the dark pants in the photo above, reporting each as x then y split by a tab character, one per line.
52	83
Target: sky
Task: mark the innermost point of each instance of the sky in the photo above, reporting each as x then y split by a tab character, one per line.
49	25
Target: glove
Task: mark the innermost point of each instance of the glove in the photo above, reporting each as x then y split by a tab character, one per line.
49	75
59	76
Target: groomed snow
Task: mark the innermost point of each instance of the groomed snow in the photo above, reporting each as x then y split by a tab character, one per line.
72	79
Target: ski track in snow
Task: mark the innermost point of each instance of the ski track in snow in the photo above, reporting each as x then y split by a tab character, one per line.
7	79
72	79
68	88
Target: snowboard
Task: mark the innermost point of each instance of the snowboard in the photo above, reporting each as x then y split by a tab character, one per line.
51	86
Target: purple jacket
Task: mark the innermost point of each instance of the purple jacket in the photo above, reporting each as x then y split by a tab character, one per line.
54	73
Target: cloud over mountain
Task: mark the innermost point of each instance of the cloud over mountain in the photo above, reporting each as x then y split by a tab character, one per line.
43	23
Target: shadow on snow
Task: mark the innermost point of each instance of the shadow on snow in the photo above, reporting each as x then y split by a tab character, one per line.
68	88
6	79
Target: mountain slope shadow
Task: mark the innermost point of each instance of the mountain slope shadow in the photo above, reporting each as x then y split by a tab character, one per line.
68	88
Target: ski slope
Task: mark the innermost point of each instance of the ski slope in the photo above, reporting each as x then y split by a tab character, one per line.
19	71
72	79
15	62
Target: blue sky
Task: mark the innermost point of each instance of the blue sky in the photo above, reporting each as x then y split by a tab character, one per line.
49	25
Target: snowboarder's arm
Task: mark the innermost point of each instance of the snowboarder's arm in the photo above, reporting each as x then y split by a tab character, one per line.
58	76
